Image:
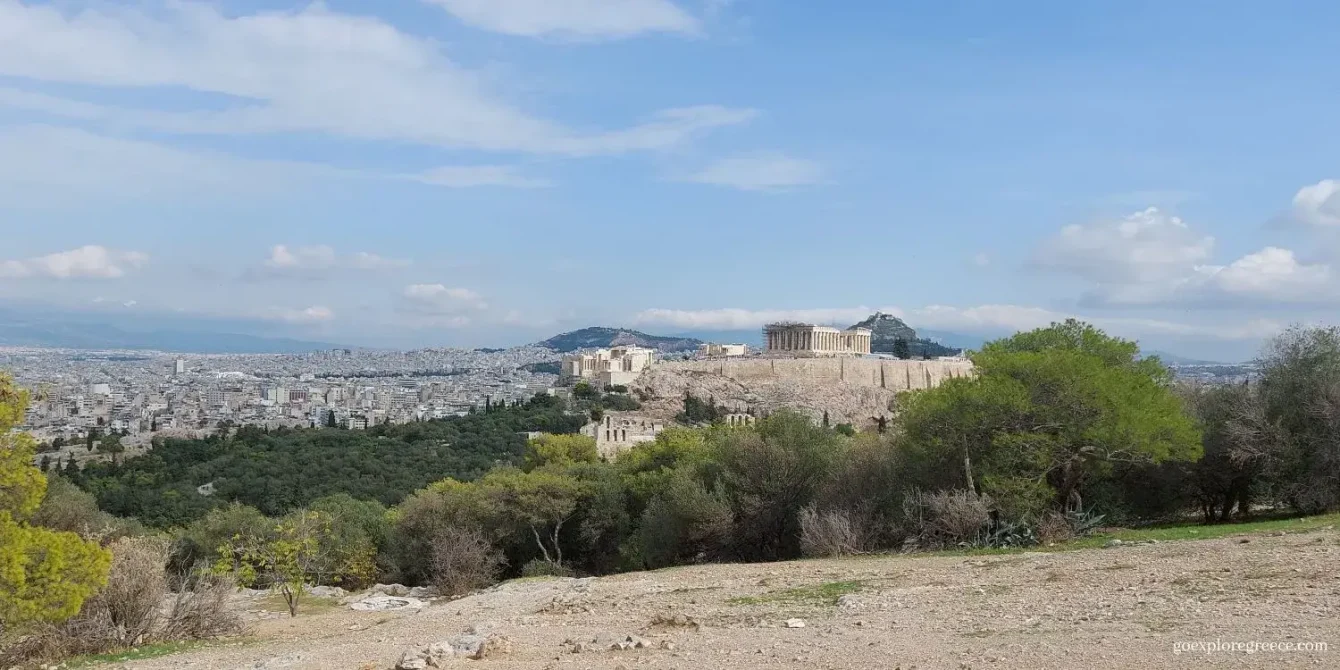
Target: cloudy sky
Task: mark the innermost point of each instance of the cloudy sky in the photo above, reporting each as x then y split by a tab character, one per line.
468	172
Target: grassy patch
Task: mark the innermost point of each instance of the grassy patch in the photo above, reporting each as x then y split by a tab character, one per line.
817	594
1170	533
1203	532
136	654
307	606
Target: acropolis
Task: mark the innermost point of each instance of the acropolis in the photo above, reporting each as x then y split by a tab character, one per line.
803	339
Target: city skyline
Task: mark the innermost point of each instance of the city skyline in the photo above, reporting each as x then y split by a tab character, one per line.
453	172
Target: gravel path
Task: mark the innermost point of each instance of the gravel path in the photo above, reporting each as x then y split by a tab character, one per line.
1119	607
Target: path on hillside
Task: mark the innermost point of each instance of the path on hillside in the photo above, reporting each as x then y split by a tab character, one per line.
1117	607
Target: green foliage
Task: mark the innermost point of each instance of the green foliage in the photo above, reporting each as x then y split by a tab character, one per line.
45	575
1300	399
584	391
284	470
901	349
1048	411
296	551
67	507
698	412
560	450
769	474
682	523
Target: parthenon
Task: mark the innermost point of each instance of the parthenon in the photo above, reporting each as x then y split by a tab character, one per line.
803	339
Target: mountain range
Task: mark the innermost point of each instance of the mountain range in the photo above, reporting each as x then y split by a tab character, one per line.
39	327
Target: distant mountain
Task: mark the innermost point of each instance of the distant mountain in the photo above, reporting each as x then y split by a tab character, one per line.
753	337
956	340
68	330
1174	359
598	337
887	329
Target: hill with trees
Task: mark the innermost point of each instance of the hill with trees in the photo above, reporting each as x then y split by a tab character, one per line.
891	335
601	337
282	470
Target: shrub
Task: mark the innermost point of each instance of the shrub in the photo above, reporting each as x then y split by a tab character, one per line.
202	608
127	612
463	560
542	568
1054	527
832	533
946	518
69	508
684	523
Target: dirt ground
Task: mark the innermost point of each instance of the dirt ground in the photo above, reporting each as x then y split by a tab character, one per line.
1128	606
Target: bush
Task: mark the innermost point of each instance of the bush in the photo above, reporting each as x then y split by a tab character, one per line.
684	523
463	560
946	518
202	608
71	509
126	612
542	568
832	533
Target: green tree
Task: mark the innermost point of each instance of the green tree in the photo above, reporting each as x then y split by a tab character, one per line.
561	450
330	420
294	554
769	474
45	575
539	501
1048	410
1300	396
902	349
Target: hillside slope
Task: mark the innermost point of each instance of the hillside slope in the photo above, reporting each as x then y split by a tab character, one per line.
601	337
1119	607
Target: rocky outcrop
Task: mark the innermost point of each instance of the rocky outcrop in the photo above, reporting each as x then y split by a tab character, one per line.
885	329
850	390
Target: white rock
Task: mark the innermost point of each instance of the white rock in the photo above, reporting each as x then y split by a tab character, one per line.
383	603
795	623
412	659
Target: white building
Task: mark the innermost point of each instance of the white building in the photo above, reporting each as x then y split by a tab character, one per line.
618	433
616	366
805	339
713	350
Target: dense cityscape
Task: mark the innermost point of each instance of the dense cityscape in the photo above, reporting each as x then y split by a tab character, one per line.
135	393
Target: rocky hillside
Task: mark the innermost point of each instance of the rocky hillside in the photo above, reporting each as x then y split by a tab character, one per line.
598	337
887	329
663	388
1125	606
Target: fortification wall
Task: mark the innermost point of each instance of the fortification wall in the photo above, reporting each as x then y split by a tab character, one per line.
889	374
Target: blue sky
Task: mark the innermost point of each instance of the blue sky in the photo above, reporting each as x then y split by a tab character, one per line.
469	172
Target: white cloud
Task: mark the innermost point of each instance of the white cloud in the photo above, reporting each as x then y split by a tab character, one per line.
468	176
437	299
1148	245
572	18
307	316
771	172
986	320
1151	258
1319	204
277	68
320	261
738	319
1271	274
47	163
981	259
87	262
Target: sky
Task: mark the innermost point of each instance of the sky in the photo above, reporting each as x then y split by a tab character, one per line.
489	172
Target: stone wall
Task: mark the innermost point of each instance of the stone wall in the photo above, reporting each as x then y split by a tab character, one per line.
889	374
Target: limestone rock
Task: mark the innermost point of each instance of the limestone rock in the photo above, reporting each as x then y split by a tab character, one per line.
795	623
412	659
